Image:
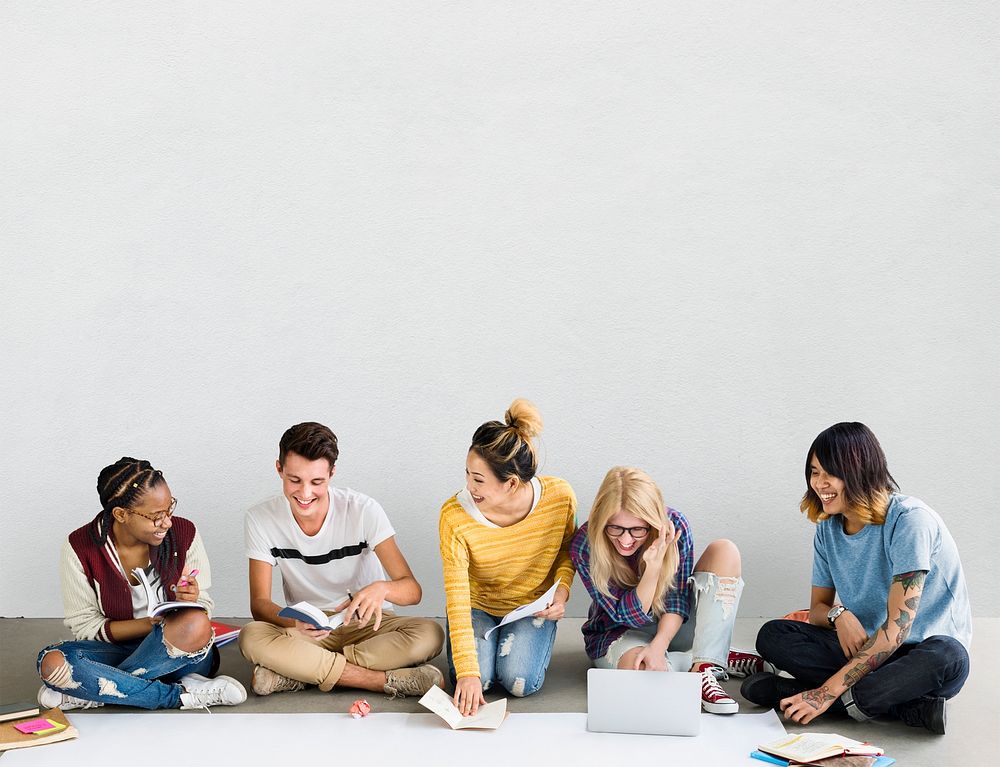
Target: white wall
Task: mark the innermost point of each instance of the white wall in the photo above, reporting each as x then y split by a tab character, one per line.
695	234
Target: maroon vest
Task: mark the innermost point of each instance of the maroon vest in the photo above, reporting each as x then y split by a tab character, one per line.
106	579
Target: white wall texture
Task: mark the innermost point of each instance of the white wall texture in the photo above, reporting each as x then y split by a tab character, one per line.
694	234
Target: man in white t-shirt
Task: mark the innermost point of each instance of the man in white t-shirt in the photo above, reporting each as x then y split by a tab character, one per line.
334	548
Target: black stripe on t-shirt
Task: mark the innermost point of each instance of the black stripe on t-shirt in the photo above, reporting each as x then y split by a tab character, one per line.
320	559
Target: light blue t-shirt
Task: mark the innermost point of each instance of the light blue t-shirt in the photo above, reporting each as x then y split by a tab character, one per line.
861	566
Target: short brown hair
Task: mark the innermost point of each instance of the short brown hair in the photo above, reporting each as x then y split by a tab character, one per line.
311	440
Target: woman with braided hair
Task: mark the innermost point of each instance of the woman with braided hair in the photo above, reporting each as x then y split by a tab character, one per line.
121	655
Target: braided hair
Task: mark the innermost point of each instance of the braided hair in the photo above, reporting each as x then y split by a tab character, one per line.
123	484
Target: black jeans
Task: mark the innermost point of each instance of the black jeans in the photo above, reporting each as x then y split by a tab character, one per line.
936	667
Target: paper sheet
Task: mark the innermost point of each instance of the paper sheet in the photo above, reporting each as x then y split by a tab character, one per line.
488	717
233	738
526	611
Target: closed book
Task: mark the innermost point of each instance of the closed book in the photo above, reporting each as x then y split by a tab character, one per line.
11	738
18	710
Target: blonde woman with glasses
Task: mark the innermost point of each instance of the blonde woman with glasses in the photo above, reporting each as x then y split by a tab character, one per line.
635	556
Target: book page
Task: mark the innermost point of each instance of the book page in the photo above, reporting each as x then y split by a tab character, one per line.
526	611
489	717
807	747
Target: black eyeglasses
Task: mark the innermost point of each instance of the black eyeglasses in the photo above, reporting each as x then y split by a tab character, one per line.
617	531
160	517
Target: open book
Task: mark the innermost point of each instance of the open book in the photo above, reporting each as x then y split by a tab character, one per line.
307	613
526	611
488	717
808	747
156	607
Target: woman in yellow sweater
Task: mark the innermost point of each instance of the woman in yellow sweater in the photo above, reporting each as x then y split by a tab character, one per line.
504	542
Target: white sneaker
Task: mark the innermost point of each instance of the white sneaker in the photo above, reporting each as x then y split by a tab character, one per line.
202	692
49	698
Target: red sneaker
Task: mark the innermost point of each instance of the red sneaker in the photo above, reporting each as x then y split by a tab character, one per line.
714	699
743	664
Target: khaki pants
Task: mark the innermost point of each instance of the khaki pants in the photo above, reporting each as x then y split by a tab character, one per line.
398	643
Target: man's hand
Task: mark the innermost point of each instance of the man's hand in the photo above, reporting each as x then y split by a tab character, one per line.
806	706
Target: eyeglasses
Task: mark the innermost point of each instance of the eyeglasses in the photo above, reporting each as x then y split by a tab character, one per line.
160	517
617	531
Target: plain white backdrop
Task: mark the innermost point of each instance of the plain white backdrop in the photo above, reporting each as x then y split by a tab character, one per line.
695	235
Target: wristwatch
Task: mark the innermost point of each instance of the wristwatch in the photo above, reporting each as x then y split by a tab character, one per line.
834	613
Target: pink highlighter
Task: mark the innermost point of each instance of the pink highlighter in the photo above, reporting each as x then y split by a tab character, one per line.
192	574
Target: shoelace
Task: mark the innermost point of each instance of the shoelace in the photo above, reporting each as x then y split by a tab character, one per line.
710	687
745	666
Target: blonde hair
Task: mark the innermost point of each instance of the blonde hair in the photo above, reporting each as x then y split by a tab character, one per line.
507	447
634	492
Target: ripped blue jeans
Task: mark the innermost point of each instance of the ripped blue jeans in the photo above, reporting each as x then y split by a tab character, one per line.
515	656
705	636
142	673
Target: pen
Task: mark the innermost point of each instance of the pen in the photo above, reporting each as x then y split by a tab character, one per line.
192	574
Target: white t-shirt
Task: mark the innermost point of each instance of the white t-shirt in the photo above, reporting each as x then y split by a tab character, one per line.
321	569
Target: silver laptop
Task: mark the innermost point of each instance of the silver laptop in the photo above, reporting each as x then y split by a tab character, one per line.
643	702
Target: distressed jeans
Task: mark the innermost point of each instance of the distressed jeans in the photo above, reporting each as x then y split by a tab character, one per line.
935	667
706	635
516	656
142	673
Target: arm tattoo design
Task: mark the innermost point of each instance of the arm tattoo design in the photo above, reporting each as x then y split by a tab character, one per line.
913	580
817	698
869	664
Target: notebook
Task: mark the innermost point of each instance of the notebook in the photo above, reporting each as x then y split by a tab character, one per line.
643	702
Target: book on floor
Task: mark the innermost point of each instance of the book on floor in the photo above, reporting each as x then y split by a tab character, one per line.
18	710
224	633
307	613
10	737
488	717
156	607
810	747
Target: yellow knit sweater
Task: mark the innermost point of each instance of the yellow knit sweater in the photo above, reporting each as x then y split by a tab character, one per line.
496	569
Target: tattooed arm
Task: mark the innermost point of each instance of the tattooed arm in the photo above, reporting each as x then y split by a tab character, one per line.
903	603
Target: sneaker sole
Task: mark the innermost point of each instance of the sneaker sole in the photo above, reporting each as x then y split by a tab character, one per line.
721	708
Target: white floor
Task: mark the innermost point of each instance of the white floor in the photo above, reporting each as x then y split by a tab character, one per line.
392	739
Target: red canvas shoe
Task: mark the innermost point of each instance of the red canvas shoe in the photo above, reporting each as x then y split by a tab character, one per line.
743	664
714	699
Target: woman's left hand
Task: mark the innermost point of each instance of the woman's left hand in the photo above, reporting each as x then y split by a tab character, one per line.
557	609
806	706
188	592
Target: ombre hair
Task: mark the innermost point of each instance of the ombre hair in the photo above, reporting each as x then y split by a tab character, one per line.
850	452
507	447
634	492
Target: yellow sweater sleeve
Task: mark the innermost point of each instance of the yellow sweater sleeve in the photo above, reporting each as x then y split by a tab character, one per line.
564	570
455	561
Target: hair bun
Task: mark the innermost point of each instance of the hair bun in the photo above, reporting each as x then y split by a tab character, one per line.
523	416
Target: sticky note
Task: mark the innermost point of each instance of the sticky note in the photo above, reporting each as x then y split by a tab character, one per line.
39	727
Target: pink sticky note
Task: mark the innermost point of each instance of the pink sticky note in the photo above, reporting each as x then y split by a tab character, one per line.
35	725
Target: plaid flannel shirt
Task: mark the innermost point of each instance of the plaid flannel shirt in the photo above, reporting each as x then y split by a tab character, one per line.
611	616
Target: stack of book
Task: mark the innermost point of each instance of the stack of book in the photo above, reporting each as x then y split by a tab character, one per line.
23	725
224	633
